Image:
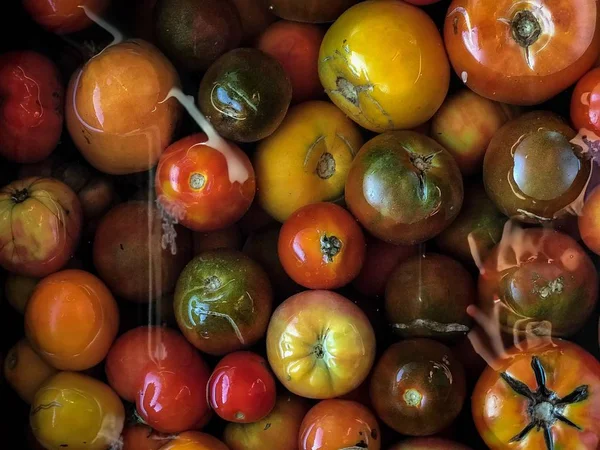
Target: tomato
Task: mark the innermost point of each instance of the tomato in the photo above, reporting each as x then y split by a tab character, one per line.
18	290
31	106
320	143
310	10
422	2
223	301
241	388
119	111
230	237
531	170
296	47
412	211
384	65
519	52
194	183
545	397
25	371
71	320
539	277
40	225
255	18
142	437
320	345
418	387
429	444
321	246
76	411
64	16
277	430
584	103
589	221
339	424
193	440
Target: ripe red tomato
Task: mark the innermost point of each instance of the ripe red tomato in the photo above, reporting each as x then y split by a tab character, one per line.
31	106
206	188
585	103
241	388
321	246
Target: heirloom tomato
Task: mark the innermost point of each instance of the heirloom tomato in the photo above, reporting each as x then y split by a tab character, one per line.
206	187
429	444
589	221
521	52
40	225
316	11
541	398
64	16
142	437
320	345
194	440
321	246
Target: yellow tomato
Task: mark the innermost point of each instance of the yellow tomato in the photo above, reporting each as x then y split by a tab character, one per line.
384	64
306	160
76	411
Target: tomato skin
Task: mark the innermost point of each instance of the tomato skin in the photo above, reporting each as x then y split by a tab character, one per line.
585	103
64	16
142	437
321	246
193	440
217	202
589	221
31	106
481	41
241	388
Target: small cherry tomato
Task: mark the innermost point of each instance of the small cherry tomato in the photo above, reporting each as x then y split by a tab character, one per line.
76	411
241	388
589	221
321	246
31	106
64	16
194	440
142	437
207	186
585	103
72	319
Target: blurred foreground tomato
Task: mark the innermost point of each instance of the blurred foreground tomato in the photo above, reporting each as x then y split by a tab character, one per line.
76	411
64	16
589	221
547	397
40	225
522	53
31	106
142	437
193	440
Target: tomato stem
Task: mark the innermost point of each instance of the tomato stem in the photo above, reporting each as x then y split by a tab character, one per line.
197	181
326	166
20	196
526	28
330	246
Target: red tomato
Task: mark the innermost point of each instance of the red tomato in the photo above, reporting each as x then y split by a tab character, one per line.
31	106
204	187
64	16
241	388
163	374
321	246
585	103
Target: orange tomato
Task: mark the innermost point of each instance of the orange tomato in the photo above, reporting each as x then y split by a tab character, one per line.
321	246
203	185
64	16
585	104
589	221
520	52
142	437
194	440
25	371
72	320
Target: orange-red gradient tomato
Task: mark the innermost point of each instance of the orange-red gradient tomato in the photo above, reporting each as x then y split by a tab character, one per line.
205	185
194	440
64	16
589	221
321	246
71	320
585	104
142	437
521	52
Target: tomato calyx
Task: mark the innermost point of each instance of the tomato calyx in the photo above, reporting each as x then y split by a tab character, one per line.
526	28
412	397
212	283
422	164
326	166
20	195
545	406
330	246
197	181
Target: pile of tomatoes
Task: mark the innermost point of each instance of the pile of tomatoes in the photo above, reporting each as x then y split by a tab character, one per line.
301	224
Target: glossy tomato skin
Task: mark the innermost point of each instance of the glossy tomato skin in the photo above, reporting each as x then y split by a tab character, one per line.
502	407
194	440
72	410
142	437
340	341
64	16
541	278
545	55
40	221
585	106
429	444
426	201
241	388
589	221
201	185
321	246
31	106
339	424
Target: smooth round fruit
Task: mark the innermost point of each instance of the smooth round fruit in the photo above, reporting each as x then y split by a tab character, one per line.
589	221
315	11
223	301
429	444
142	437
404	187
72	320
306	160
40	225
339	424
64	16
245	95
531	170
585	104
132	254
320	345
194	183
546	397
528	53
194	440
119	113
541	278
427	296
418	387
321	246
384	65
76	411
18	290
241	388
